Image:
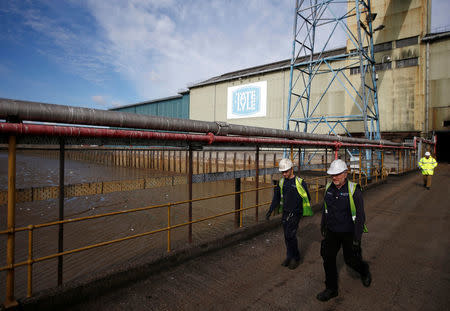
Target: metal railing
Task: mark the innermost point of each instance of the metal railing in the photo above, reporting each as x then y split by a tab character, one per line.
373	164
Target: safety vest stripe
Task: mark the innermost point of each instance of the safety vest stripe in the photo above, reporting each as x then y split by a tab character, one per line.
427	165
351	189
307	211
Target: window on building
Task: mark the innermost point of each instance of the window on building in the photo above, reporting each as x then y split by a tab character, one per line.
409	62
354	50
383	66
382	47
406	42
446	123
354	70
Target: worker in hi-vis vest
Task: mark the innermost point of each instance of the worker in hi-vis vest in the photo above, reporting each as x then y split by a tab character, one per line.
342	224
292	198
427	165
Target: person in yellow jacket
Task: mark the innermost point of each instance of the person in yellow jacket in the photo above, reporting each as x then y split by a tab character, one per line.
427	165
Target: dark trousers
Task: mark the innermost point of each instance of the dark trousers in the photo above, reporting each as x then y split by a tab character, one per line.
352	256
290	225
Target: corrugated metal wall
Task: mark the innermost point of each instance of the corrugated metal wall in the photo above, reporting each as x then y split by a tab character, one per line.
173	107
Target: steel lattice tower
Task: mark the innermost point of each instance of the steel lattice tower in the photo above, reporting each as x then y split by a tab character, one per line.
352	71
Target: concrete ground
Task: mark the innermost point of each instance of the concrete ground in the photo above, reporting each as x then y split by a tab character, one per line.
407	248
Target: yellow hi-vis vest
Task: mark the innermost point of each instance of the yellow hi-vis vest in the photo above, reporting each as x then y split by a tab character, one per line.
427	165
351	190
307	211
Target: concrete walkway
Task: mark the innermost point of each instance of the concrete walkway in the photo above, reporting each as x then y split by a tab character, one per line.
407	248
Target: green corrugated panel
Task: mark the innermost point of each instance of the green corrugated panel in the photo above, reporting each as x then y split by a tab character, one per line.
173	108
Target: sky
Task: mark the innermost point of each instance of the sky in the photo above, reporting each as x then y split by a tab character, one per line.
104	54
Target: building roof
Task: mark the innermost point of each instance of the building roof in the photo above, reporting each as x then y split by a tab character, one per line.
153	101
271	67
436	36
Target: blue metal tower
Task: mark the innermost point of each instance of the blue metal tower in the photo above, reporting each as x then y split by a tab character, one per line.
315	69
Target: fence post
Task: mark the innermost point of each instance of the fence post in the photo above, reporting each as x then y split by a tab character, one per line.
237	201
191	171
257	183
265	166
225	161
61	210
210	162
217	161
274	163
30	261
168	227
10	301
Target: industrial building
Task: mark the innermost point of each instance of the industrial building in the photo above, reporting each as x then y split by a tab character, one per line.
413	79
174	106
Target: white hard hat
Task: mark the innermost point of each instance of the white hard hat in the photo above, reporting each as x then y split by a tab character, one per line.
427	154
284	165
337	167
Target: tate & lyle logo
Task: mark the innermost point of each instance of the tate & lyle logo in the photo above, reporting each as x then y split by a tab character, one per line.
246	100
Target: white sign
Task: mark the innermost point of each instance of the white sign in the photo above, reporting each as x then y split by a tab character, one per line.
247	101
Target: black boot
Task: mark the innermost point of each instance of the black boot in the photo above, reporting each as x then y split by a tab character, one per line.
327	294
366	279
294	264
286	262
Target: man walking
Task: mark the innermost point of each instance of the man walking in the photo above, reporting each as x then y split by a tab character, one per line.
293	199
427	165
342	223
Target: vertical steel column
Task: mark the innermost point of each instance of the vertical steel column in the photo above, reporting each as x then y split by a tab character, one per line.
217	161
198	162
245	161
61	210
225	161
10	301
203	162
191	171
237	201
186	164
257	182
265	166
274	162
210	162
359	178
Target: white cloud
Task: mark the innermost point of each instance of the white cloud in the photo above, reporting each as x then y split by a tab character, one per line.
105	102
162	46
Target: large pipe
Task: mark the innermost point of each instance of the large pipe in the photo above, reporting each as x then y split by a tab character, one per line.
33	111
209	138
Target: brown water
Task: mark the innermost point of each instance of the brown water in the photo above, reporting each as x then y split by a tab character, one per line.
33	171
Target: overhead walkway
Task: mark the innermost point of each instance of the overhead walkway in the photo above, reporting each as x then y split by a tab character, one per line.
407	247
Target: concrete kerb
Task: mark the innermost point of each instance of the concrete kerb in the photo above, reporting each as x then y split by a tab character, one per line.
74	292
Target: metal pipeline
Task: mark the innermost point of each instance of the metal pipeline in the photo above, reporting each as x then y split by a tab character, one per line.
209	138
34	111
